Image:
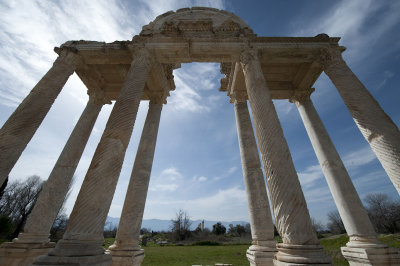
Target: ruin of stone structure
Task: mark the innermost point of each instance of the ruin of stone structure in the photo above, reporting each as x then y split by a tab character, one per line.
257	70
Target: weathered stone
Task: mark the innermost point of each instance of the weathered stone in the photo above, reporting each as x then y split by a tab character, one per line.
34	241
262	229
126	250
291	214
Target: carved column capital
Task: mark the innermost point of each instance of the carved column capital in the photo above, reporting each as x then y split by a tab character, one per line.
142	56
248	55
330	56
301	95
157	97
68	56
238	96
98	97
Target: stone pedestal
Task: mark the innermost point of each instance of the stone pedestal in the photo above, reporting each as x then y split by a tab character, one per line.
127	257
363	251
260	254
289	254
22	254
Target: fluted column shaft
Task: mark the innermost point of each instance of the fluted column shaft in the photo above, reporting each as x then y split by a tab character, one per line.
84	232
23	123
375	125
262	228
288	203
355	219
52	196
132	213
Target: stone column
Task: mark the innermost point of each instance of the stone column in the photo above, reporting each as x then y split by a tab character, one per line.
126	249
34	241
23	123
355	219
375	125
83	238
300	244
263	246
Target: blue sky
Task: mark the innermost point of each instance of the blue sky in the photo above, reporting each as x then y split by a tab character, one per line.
197	162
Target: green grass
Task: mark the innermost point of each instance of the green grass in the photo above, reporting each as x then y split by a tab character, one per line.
236	254
332	248
196	255
391	240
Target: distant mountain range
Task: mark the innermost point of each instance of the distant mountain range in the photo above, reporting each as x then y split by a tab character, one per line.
165	225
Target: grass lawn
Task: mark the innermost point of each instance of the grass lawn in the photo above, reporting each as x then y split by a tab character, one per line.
236	254
195	255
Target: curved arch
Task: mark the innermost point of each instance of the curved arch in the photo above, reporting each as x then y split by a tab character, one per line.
198	21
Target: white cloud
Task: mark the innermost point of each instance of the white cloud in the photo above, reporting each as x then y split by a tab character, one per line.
348	19
356	159
169	180
310	175
200	179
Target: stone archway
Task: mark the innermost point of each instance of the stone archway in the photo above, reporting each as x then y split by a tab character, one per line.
257	69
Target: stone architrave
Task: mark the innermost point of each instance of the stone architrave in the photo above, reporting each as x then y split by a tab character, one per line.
375	125
26	119
34	240
126	249
363	239
300	243
83	238
263	247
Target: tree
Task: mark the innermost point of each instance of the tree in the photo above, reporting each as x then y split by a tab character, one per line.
18	200
219	229
335	224
383	212
180	226
237	230
317	225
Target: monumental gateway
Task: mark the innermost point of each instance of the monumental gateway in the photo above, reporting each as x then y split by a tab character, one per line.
257	70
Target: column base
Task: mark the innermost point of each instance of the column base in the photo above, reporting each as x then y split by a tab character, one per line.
127	257
261	255
361	254
300	255
75	252
22	254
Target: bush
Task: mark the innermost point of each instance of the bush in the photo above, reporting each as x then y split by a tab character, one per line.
206	243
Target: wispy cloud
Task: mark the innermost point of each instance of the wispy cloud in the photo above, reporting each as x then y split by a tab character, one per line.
228	204
361	157
351	20
192	83
169	180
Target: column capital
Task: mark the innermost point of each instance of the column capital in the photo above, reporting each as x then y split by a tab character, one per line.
98	97
248	55
330	56
68	56
142	56
238	96
301	95
157	97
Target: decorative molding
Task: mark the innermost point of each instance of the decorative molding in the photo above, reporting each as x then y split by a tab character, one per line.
98	97
301	95
329	56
